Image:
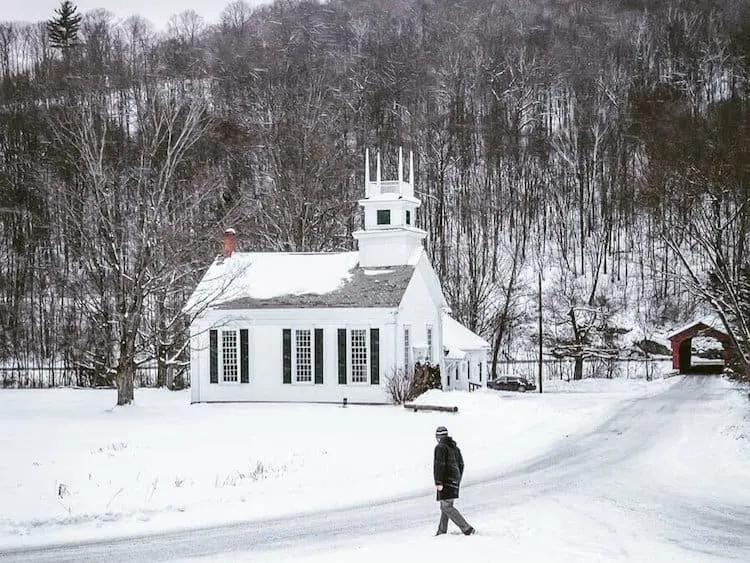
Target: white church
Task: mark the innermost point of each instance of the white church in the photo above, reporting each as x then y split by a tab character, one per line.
324	327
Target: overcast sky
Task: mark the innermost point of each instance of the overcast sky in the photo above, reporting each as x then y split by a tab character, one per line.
157	11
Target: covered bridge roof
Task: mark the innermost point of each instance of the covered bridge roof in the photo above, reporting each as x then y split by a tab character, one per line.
707	326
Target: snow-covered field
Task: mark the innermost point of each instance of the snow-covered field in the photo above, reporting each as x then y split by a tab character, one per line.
73	467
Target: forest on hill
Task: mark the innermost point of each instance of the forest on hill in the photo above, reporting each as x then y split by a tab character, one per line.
589	155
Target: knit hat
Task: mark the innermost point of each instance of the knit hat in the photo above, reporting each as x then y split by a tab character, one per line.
441	431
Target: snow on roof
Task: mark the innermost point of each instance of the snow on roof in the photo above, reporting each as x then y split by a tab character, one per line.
265	275
390	196
455	354
712	322
456	335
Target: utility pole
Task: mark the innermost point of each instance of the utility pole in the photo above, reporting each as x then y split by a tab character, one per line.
541	357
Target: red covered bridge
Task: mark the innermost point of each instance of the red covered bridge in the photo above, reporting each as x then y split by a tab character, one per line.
682	341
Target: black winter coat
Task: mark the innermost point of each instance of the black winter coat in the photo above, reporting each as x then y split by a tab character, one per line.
448	468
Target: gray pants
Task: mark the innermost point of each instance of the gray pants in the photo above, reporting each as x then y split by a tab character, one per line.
447	510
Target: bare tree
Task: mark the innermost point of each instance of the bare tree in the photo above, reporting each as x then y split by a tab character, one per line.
701	242
235	17
130	213
186	27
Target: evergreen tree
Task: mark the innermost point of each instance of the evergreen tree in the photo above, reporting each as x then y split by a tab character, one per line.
63	29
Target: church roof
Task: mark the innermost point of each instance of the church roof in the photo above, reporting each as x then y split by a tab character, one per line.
276	280
457	336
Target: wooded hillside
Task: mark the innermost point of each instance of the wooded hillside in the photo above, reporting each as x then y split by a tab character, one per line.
601	143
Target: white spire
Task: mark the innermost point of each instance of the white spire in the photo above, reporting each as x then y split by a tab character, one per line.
377	173
383	184
400	169
411	171
367	172
388	236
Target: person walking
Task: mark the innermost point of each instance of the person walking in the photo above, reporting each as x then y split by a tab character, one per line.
448	468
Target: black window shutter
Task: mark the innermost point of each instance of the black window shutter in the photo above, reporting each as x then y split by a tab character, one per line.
244	357
213	338
375	356
342	356
287	355
319	355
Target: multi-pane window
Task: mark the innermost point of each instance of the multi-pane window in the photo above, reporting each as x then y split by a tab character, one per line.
407	346
303	355
229	356
429	344
384	217
358	352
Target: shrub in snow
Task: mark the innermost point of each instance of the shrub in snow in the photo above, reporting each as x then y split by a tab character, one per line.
426	377
62	490
235	478
259	472
400	386
62	493
405	385
178	383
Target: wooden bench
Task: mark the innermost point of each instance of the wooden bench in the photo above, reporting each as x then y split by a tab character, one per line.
430	407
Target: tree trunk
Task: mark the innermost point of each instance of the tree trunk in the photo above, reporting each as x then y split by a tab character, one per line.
125	377
126	365
578	366
161	365
495	352
578	369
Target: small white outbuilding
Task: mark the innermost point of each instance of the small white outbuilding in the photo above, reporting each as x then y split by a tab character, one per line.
322	327
466	356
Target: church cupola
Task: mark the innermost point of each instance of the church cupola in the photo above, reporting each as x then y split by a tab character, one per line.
389	237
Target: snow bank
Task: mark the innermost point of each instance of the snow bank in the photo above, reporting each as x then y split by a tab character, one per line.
75	467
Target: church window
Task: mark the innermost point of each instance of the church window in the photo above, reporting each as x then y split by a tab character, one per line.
384	216
359	355
229	356
303	356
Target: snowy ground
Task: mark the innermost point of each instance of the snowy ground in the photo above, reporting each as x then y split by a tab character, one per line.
73	468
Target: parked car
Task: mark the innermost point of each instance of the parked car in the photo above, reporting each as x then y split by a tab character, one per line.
511	383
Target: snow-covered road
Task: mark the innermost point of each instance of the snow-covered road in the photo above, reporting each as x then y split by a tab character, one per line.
637	481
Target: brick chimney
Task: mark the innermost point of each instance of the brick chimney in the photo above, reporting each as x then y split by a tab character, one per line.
230	242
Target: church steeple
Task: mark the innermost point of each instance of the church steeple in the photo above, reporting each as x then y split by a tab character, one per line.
389	237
